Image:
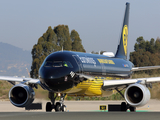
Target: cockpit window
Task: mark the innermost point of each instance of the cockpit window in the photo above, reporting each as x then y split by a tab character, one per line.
69	64
65	64
58	64
48	64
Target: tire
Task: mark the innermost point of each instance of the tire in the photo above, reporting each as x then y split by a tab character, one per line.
58	107
48	107
132	109
123	107
64	109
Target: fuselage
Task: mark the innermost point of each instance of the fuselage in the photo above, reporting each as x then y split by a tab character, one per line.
68	72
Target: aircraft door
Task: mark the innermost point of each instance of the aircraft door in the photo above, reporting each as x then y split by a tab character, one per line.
103	69
79	63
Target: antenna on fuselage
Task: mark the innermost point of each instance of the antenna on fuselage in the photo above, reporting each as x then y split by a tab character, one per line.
99	52
62	48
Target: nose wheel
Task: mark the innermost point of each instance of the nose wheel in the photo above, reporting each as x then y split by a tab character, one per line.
58	106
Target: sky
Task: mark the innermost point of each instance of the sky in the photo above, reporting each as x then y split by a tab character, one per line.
98	22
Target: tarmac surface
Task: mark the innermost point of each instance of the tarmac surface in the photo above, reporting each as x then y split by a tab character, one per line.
78	110
79	116
79	106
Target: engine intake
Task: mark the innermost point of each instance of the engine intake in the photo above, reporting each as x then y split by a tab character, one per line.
21	95
137	95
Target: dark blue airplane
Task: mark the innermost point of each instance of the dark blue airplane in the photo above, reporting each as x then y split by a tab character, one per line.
82	74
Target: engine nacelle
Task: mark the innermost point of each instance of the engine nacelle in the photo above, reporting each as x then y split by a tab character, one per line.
137	95
21	95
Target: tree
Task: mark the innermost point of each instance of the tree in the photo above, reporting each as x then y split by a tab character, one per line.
76	42
157	45
63	36
147	53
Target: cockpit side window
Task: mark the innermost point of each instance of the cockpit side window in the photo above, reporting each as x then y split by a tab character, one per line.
69	64
65	64
48	64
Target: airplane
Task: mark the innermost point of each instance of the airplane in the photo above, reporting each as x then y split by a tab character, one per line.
83	74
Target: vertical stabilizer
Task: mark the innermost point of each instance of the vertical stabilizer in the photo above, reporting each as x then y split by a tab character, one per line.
122	47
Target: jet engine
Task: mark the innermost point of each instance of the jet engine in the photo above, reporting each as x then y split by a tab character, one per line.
137	95
21	95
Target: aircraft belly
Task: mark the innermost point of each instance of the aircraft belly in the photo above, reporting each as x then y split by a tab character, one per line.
86	88
72	90
90	88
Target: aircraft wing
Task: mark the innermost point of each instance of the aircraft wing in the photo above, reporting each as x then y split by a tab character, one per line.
19	79
112	84
145	68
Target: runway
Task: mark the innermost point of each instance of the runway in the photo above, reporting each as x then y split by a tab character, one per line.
79	116
80	106
78	110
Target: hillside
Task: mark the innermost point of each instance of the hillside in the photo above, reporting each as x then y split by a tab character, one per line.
14	60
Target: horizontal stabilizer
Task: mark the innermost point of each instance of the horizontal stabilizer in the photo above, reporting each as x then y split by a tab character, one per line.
145	68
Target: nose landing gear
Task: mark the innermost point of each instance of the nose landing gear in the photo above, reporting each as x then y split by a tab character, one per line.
58	106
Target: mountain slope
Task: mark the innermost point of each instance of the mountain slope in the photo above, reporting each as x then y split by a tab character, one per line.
14	60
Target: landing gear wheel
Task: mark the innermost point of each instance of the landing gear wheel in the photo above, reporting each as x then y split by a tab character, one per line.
64	109
132	109
58	107
123	107
48	107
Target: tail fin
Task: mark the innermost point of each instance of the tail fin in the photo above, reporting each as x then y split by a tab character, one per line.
122	47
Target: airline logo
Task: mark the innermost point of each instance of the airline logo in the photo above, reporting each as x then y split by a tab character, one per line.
87	60
125	38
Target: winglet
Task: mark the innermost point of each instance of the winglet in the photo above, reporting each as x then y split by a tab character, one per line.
122	47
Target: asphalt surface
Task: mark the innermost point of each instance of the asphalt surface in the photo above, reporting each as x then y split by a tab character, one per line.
79	106
79	116
80	110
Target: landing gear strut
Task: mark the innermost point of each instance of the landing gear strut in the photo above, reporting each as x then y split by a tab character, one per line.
125	106
58	106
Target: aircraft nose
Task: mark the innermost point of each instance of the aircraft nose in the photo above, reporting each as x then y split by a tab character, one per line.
51	74
57	79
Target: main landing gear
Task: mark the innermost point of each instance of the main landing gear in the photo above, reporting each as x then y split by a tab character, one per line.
124	106
58	106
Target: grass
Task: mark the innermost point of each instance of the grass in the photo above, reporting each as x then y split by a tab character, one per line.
4	89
